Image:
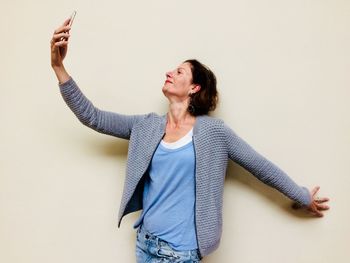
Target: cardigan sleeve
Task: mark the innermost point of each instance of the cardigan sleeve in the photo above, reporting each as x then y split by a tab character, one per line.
106	122
242	153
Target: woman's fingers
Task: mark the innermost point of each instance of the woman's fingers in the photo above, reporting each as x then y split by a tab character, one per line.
61	43
322	207
59	36
317	201
313	209
322	200
317	213
66	22
62	29
317	204
314	191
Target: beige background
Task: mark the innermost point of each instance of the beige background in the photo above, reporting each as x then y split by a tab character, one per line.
283	76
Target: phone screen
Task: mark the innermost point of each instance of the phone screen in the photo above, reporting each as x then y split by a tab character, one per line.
72	18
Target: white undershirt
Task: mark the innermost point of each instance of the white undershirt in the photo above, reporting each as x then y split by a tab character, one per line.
180	142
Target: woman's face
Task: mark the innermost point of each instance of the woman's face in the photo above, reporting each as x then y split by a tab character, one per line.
178	84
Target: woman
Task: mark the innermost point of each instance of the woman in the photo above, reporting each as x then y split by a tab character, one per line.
177	162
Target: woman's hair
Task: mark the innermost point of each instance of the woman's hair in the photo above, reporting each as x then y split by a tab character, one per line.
206	98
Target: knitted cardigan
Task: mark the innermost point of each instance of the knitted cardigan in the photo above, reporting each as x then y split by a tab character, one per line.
214	143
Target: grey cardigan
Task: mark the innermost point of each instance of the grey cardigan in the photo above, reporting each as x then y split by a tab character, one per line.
214	144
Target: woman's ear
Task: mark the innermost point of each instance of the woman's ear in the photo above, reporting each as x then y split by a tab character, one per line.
196	88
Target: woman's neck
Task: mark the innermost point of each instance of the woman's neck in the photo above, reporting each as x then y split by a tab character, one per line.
178	116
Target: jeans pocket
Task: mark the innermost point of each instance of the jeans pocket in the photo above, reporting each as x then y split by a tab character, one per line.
167	253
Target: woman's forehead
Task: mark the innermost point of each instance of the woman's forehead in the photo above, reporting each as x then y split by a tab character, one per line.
185	66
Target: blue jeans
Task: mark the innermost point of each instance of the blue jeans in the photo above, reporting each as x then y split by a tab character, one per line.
151	249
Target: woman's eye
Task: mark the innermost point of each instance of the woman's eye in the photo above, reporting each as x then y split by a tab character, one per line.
178	72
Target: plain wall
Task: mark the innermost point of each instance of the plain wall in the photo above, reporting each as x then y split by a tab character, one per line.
283	77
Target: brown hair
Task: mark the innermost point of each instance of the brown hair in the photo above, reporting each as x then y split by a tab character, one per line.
206	98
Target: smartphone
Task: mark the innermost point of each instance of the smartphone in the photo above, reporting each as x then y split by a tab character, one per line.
71	19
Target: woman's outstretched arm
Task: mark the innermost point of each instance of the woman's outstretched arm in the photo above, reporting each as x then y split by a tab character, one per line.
111	123
269	173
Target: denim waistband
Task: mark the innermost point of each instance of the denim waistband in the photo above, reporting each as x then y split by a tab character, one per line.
148	238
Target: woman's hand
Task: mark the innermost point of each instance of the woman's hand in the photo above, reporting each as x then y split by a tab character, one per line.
317	204
59	44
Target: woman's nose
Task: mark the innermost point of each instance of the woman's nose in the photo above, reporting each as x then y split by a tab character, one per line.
168	74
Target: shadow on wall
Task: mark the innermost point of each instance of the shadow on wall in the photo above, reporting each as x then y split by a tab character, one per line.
108	146
237	174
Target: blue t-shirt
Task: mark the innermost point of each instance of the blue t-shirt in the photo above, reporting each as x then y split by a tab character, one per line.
169	196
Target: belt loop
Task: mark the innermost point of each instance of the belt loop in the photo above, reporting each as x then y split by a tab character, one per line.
139	229
157	241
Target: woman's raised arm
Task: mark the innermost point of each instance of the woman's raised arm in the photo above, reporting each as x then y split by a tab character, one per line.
106	122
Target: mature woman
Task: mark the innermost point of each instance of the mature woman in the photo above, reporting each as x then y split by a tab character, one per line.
177	161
